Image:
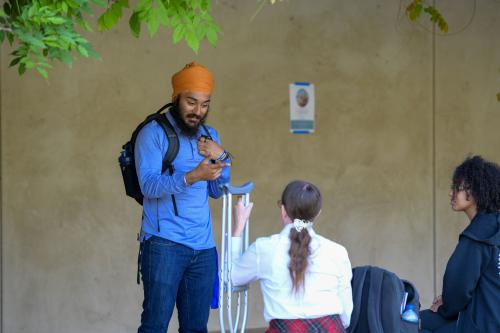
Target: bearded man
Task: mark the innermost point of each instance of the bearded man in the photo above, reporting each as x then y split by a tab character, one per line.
178	260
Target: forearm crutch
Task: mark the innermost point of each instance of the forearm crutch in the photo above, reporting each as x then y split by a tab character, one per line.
225	285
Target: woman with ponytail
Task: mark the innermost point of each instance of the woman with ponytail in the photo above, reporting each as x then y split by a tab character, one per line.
305	278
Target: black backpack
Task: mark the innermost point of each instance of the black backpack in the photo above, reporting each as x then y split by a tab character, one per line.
378	296
127	160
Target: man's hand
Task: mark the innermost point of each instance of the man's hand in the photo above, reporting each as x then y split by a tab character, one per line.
205	171
209	148
241	215
436	303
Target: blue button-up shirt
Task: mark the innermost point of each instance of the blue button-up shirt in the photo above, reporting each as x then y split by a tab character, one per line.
193	225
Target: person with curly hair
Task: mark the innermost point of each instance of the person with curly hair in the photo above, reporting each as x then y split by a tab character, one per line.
470	301
305	278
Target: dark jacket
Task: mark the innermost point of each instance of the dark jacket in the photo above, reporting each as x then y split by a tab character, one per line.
471	284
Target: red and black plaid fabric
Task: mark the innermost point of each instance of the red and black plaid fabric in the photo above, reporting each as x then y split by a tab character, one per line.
327	324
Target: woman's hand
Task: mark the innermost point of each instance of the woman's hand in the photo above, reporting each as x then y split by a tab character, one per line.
241	215
436	303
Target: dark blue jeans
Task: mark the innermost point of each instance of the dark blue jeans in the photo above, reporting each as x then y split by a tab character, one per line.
175	274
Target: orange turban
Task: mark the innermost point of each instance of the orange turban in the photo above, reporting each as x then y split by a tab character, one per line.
193	77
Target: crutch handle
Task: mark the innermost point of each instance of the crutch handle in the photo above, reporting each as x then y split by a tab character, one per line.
238	190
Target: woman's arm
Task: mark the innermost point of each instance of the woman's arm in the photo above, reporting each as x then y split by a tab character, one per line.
461	276
245	266
345	292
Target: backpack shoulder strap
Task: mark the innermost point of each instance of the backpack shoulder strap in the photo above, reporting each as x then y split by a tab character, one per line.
392	297
172	150
374	300
357	283
173	142
146	121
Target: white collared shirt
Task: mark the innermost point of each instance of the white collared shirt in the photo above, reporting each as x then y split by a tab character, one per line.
327	280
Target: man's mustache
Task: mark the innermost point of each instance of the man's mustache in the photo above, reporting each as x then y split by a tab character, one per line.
192	115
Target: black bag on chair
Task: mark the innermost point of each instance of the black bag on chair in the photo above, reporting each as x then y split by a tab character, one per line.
379	301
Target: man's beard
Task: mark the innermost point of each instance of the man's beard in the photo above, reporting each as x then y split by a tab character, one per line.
185	128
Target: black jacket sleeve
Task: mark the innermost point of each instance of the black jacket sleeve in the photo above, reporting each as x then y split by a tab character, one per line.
461	276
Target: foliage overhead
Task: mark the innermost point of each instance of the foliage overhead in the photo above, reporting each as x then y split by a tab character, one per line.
41	31
415	9
45	30
188	19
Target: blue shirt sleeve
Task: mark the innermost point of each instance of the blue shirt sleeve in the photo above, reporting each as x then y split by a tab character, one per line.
150	147
214	185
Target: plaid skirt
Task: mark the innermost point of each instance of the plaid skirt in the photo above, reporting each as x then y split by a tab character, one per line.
326	324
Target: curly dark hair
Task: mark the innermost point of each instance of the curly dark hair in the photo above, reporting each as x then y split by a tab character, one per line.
481	179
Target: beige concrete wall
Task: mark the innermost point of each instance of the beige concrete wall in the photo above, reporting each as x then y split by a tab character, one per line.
69	249
467	112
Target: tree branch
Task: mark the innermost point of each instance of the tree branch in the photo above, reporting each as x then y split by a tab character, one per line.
4	28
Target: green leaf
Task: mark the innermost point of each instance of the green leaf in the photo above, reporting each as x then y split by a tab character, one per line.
117	10
162	13
42	72
101	24
123	3
45	64
196	21
56	20
175	20
153	23
83	51
29	64
68	40
84	24
135	24
81	40
64	7
30	39
212	36
72	4
7	9
143	5
201	32
205	5
10	37
66	58
192	41
178	34
107	20
15	61
100	3
414	9
32	10
443	25
21	69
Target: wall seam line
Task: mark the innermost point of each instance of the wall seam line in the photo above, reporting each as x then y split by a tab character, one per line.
434	218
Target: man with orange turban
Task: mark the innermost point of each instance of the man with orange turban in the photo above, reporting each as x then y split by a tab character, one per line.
178	260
